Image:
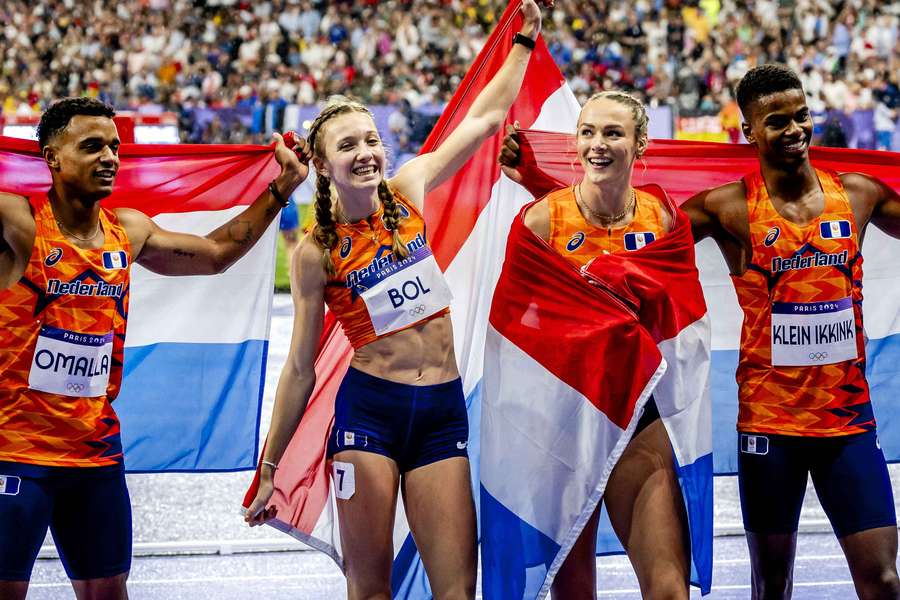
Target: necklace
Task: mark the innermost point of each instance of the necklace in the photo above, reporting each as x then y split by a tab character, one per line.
75	235
606	220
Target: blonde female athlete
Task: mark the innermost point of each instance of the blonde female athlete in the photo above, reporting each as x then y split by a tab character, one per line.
400	415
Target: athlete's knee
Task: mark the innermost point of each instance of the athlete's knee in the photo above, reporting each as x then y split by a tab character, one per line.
102	588
883	585
772	585
358	590
463	590
666	584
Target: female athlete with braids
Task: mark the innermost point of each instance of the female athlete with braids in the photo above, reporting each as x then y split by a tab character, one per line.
400	414
602	214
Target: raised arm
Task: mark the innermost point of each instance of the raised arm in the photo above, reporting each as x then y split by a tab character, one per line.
298	377
484	119
16	238
171	253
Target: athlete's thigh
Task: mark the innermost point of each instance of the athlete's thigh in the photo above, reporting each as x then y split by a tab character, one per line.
26	502
772	475
91	523
646	507
441	515
366	486
855	463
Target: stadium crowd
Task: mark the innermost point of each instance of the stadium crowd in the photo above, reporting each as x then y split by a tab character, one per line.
176	55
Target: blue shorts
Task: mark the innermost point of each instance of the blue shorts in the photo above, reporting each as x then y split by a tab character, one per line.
87	509
290	217
414	425
849	473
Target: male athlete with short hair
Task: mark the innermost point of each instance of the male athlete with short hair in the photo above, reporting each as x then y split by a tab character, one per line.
791	236
64	281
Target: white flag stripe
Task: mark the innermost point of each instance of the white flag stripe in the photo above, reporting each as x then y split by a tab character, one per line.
229	299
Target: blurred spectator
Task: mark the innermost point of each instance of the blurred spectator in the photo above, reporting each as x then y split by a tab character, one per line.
189	55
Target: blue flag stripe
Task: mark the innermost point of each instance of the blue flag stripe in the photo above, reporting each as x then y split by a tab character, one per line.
208	387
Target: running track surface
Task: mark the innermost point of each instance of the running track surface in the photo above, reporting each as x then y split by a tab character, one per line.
820	573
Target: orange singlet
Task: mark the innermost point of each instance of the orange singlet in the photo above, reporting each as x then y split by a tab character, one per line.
579	241
372	294
802	360
61	348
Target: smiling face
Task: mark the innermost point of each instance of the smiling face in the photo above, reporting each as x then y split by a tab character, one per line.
606	140
84	156
780	127
351	152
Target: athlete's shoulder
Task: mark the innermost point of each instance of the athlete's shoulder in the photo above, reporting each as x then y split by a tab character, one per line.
860	186
307	261
537	217
14	205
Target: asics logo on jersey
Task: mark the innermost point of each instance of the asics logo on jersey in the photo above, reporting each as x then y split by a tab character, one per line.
816	259
380	262
772	236
346	244
54	257
575	242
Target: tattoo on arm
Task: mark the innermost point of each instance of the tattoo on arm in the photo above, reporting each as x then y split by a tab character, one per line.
272	210
184	253
241	232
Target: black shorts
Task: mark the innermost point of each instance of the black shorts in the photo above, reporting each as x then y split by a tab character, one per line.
87	509
415	425
849	473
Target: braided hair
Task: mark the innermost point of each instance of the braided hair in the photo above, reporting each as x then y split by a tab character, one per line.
638	112
325	233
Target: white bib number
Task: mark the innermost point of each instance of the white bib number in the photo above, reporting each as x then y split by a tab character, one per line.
71	363
405	292
813	333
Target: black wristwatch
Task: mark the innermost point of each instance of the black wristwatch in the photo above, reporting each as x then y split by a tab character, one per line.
524	40
273	189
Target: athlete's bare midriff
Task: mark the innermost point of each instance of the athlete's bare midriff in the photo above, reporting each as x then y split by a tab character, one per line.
420	355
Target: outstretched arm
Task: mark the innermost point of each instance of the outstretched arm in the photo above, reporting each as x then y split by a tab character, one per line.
171	253
298	377
484	119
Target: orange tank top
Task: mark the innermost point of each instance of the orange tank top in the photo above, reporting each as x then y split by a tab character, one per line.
580	241
802	360
61	348
372	294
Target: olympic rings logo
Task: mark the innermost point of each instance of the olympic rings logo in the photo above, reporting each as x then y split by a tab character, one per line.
417	310
818	356
75	387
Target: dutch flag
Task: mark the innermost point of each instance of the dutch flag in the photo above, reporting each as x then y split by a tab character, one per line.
832	230
636	240
115	260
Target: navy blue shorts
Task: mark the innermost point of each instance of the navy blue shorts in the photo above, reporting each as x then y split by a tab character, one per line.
87	509
415	425
290	217
849	473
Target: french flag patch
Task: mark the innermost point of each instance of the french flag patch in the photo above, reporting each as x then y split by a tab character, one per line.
638	239
115	260
833	230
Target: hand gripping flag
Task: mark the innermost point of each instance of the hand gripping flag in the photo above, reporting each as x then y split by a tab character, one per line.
572	357
686	168
195	346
